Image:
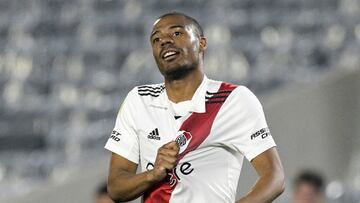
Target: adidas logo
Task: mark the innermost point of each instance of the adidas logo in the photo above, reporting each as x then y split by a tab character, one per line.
154	134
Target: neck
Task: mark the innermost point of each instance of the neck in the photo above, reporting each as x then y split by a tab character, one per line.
183	89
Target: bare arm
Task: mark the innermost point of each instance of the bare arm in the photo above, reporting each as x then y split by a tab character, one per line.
123	182
270	183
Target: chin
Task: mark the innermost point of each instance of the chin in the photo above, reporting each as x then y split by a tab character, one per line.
178	72
173	67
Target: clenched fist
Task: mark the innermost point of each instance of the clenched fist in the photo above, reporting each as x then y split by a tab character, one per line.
166	159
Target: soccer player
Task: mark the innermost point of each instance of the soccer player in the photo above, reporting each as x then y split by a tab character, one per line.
190	133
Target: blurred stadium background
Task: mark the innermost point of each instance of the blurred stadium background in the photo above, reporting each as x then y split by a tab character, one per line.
66	65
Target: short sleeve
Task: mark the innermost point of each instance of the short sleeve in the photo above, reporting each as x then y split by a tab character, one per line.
250	133
123	139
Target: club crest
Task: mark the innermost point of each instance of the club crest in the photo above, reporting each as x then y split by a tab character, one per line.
183	139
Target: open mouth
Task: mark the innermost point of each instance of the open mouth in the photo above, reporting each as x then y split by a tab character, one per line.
170	55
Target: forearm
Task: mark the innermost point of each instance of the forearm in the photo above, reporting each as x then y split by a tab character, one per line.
266	189
127	186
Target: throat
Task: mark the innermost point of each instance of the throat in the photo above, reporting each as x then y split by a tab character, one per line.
183	89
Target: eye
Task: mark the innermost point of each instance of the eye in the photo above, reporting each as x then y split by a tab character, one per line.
177	33
155	40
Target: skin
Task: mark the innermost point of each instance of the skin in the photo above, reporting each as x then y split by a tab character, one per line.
270	183
183	74
123	182
104	198
307	193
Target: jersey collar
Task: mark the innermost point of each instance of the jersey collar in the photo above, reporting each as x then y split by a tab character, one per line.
197	101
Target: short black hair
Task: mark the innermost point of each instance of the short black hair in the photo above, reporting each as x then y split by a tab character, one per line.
191	19
312	178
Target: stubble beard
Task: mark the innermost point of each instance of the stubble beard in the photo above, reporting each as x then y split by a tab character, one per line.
178	72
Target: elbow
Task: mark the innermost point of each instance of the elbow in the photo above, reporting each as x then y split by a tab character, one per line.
116	194
112	193
281	187
280	184
276	183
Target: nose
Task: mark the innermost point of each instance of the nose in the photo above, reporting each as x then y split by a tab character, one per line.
166	40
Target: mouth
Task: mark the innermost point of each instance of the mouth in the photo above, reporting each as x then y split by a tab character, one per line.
170	54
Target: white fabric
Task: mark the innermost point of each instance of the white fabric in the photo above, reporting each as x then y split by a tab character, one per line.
211	172
181	108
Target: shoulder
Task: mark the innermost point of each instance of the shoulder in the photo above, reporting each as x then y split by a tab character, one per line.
144	94
243	97
216	86
244	92
141	96
151	90
237	96
235	90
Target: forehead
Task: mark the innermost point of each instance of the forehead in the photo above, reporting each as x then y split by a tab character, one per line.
304	186
169	21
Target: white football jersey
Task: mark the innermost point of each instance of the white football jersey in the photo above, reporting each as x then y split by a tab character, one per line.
225	123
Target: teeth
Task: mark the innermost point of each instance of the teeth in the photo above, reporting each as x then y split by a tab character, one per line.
169	53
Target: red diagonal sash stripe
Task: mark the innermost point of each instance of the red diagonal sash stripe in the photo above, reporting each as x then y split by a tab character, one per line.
199	125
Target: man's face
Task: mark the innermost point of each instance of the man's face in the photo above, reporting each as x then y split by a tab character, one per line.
176	44
306	193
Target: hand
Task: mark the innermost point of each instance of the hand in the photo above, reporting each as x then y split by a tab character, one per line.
166	159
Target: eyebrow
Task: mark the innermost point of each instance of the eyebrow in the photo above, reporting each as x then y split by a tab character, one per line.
171	27
176	26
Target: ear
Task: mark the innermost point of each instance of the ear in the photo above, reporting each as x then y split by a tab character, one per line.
203	44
